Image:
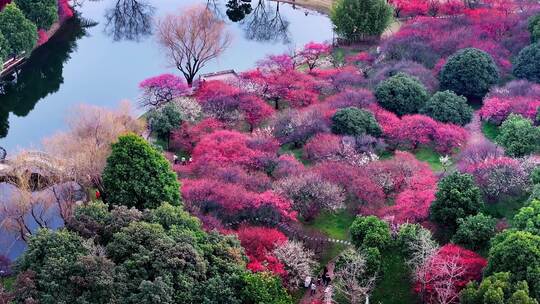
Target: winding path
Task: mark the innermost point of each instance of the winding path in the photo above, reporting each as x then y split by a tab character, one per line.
292	232
475	130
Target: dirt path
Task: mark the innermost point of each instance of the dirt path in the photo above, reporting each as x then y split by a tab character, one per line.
475	130
319	294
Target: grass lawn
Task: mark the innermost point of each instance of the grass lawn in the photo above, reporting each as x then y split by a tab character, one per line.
506	208
334	225
491	131
395	286
296	152
430	156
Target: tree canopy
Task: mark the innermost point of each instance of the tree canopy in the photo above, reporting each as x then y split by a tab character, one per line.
354	121
19	32
448	107
457	197
527	63
43	13
138	175
370	231
519	136
401	94
469	72
354	19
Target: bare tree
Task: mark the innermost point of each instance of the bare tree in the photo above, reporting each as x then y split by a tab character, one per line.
264	25
28	203
351	279
192	38
85	146
449	271
422	250
298	261
129	20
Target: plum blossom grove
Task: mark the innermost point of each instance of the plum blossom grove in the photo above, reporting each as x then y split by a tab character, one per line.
315	160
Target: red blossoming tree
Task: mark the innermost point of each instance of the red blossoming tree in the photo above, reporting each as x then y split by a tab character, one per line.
259	243
443	275
158	90
312	54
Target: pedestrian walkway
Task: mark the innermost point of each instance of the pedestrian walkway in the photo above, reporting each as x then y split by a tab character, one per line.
295	233
319	296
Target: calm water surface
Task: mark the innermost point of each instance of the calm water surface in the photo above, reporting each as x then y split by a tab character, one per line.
100	57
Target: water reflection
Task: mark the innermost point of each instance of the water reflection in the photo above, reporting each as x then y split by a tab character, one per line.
237	10
129	20
41	75
265	23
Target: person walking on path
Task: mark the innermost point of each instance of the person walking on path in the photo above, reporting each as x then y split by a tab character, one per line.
313	288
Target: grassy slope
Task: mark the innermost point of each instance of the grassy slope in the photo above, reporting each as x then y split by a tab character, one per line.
296	152
430	156
334	225
394	287
491	131
506	208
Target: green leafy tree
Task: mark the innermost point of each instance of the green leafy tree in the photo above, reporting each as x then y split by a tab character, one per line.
469	72
527	63
19	32
401	94
4	48
158	291
457	197
52	256
535	175
528	218
407	234
355	19
263	287
354	121
370	231
162	256
534	28
165	119
43	13
519	136
497	289
475	231
448	107
169	216
517	252
139	176
373	261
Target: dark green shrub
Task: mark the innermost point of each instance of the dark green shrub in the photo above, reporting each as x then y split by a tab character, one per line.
370	231
469	72
475	231
139	176
527	63
518	136
457	197
354	121
448	107
401	94
357	19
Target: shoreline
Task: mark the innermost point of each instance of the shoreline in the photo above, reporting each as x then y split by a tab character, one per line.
320	6
19	60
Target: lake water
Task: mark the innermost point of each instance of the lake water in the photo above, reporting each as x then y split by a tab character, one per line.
100	57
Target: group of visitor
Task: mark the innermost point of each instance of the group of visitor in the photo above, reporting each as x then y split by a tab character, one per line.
322	280
183	160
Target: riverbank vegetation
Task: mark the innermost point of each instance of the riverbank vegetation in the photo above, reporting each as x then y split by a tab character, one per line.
374	168
24	24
